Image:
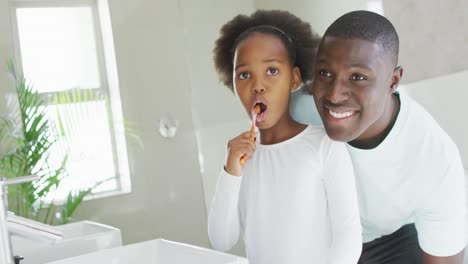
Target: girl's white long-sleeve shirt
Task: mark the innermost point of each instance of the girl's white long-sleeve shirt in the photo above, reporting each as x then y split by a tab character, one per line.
295	203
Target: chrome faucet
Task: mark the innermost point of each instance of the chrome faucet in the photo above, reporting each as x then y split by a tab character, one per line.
6	253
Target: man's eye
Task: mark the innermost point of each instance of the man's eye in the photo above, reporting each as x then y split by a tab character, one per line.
244	75
324	73
358	77
272	71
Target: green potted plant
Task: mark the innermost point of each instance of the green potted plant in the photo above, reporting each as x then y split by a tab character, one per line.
27	137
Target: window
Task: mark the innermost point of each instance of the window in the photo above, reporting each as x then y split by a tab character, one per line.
60	49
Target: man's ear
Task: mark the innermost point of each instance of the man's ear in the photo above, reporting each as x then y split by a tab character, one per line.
396	77
296	79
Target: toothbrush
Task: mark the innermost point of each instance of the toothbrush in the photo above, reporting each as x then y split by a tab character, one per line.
255	111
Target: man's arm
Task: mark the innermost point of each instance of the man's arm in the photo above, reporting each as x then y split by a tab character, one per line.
441	222
455	259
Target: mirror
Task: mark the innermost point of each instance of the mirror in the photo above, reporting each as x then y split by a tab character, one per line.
163	57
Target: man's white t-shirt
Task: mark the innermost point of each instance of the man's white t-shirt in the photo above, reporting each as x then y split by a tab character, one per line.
414	176
296	203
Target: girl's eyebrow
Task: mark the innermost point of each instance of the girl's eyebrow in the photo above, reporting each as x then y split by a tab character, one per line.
239	65
266	60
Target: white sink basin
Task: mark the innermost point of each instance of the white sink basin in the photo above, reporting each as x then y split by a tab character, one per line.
158	251
77	239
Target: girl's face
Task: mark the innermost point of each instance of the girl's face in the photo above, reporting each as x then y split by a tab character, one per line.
263	75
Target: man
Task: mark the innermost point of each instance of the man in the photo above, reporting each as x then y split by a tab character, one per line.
409	175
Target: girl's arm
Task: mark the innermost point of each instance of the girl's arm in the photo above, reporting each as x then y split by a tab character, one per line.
223	218
342	202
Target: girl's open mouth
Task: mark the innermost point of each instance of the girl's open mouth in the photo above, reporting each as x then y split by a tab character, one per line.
261	114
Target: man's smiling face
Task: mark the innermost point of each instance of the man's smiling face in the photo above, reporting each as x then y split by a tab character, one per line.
352	85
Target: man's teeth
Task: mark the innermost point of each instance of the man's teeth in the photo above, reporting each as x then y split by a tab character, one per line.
340	115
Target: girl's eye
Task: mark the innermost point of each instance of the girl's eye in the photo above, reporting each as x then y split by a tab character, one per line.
358	77
244	75
324	73
272	71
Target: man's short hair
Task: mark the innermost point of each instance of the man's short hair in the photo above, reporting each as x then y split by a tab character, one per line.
370	26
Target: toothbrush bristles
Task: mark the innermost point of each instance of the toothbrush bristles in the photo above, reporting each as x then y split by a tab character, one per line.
257	109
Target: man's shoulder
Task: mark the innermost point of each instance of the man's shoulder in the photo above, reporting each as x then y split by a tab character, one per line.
419	122
422	131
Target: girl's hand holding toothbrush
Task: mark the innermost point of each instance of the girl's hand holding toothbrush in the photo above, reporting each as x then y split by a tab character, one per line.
241	148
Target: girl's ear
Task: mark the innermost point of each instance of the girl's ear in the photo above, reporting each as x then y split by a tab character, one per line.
296	79
396	77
